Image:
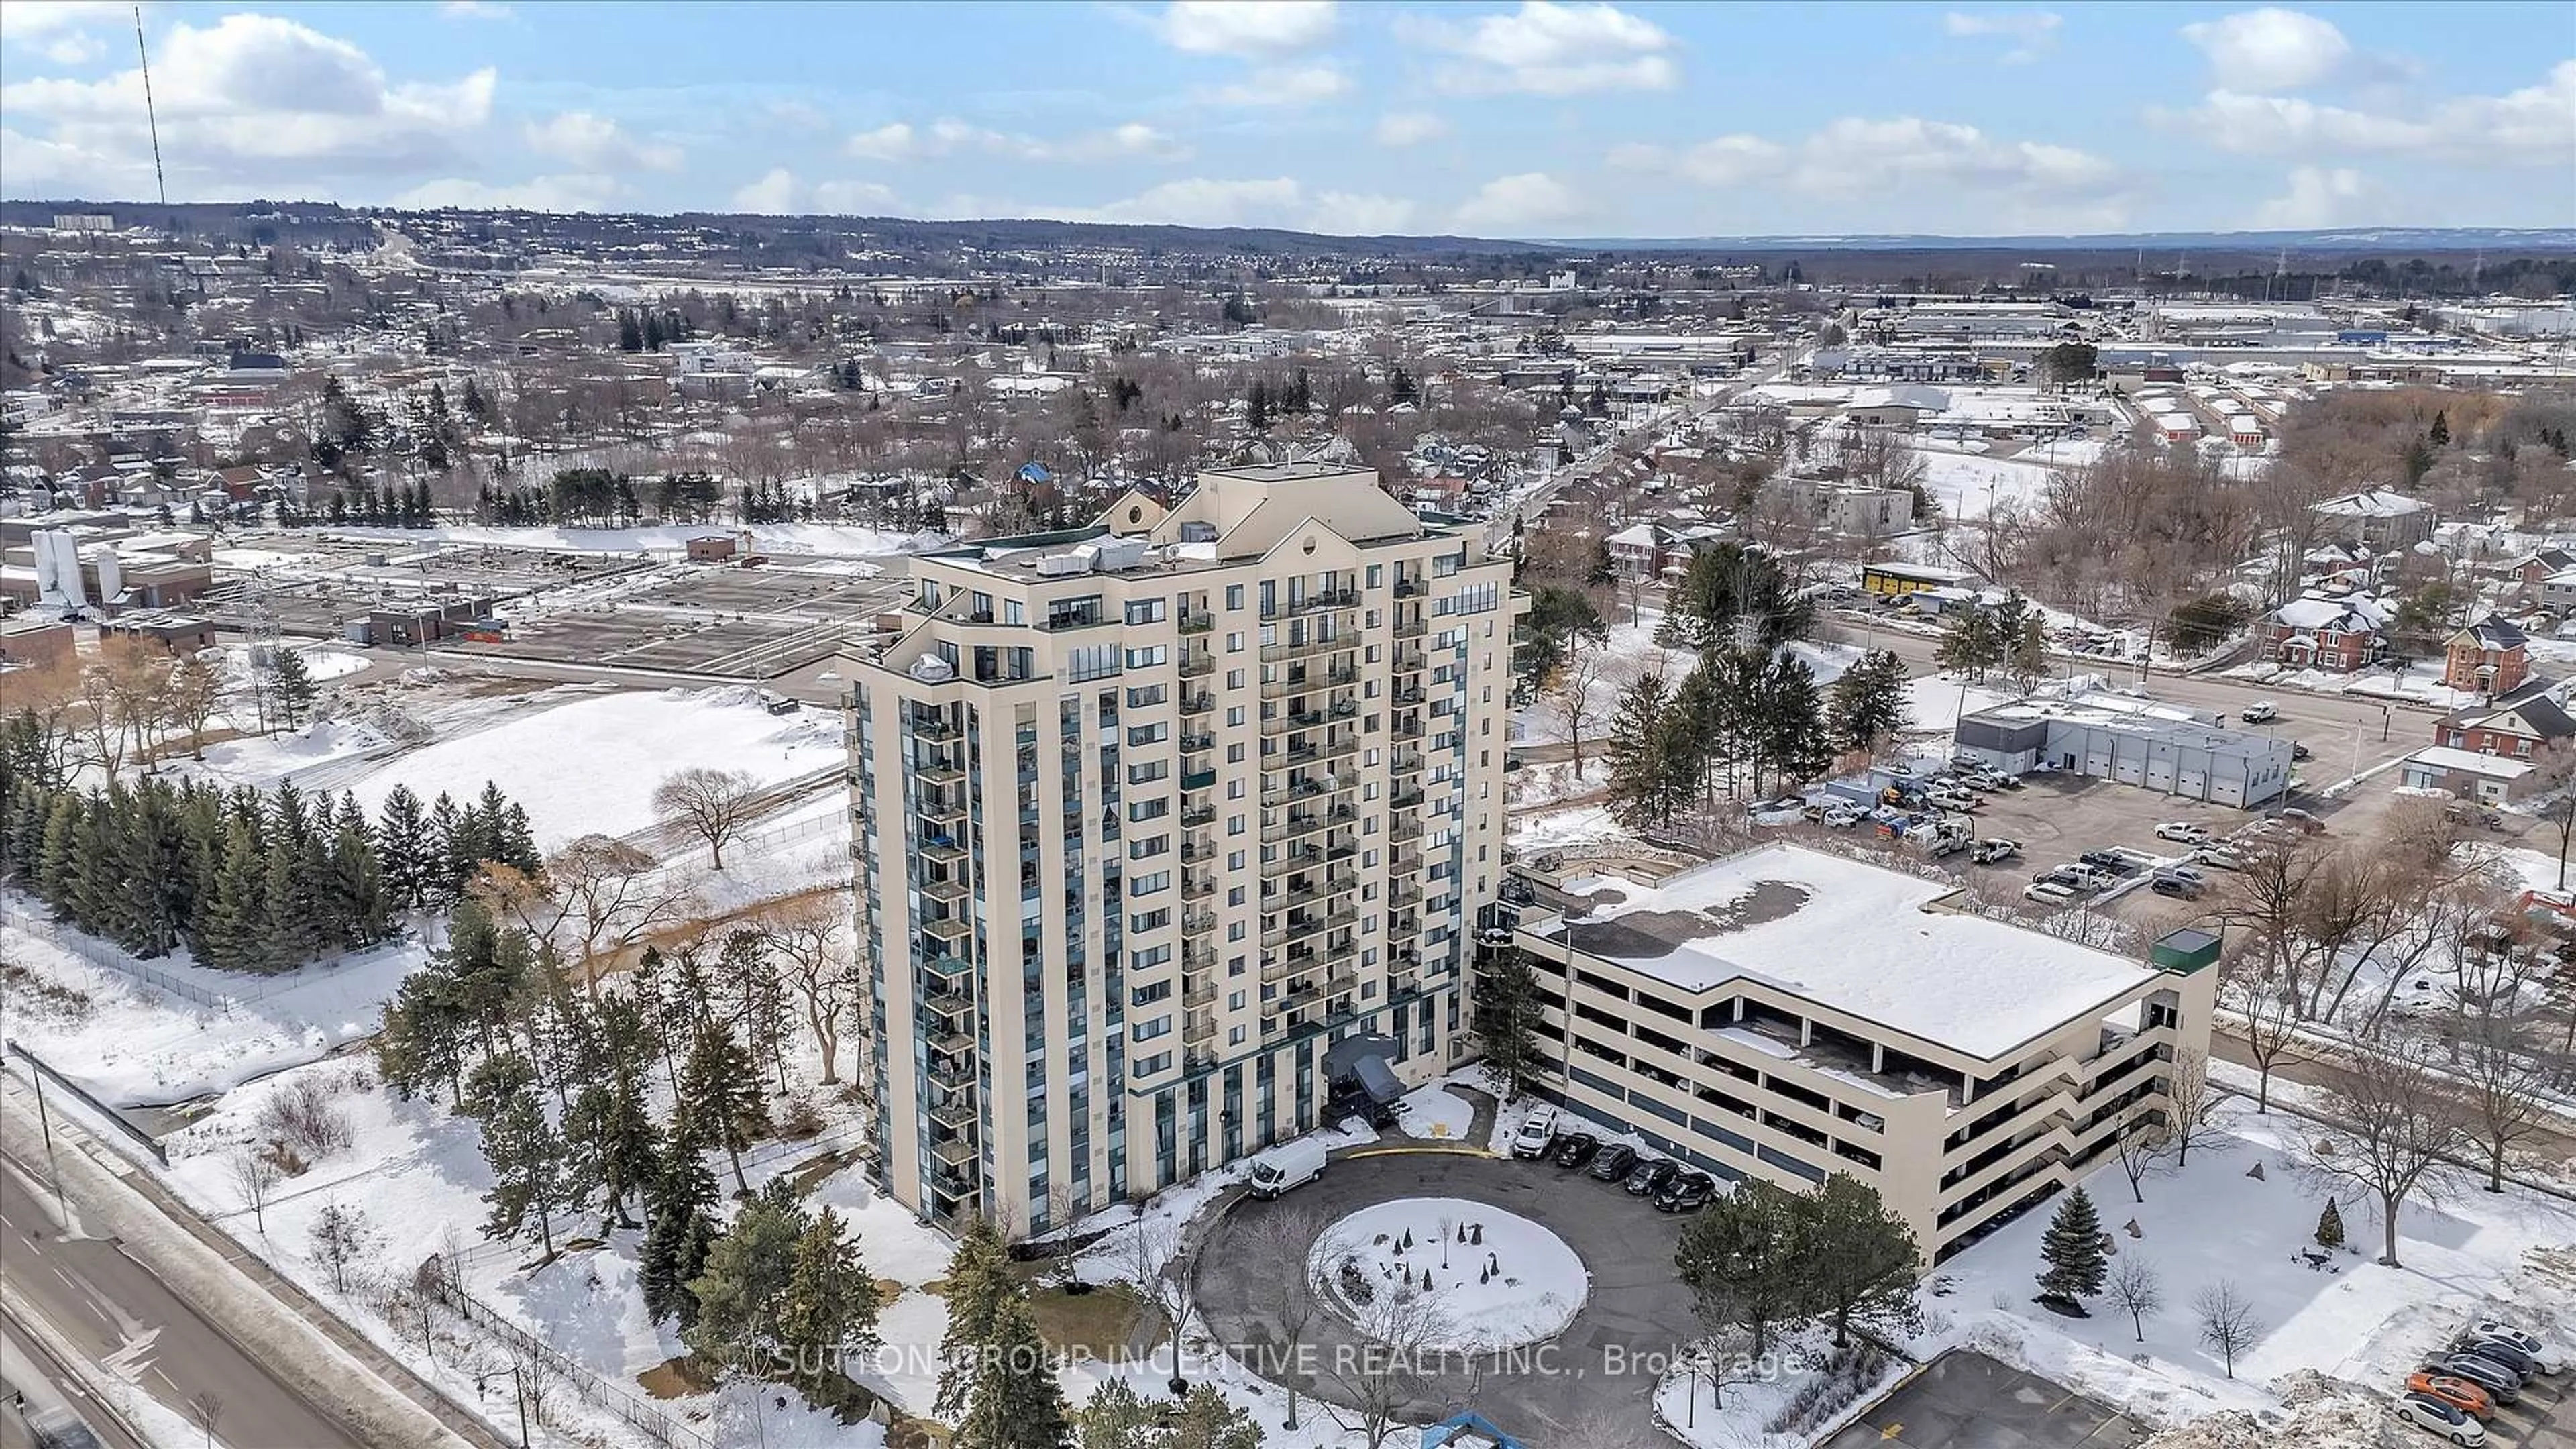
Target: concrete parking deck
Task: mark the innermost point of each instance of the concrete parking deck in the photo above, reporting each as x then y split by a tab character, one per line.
1969	1401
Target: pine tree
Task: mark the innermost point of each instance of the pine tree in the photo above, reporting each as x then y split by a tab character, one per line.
618	1152
741	1291
2441	432
720	1096
677	1218
530	1177
979	1286
451	861
1789	720
403	850
1015	1402
2330	1226
1642	777
2072	1248
1972	646
424	1038
233	934
286	937
1507	1020
1867	705
831	1302
294	686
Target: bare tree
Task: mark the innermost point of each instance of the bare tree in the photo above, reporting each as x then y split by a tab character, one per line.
2145	1150
2190	1104
1279	1250
1380	1375
595	897
206	1408
1162	1259
810	934
341	1236
2394	1119
1570	693
2267	1011
713	805
196	696
2228	1326
2503	1086
2136	1290
2553	780
257	1175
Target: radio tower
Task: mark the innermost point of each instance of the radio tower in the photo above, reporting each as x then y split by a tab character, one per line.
150	120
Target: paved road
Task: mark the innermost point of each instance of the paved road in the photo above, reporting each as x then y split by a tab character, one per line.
1969	1401
1603	1365
119	1315
27	1367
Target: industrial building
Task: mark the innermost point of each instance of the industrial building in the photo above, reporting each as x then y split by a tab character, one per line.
1789	1014
1148	815
2135	741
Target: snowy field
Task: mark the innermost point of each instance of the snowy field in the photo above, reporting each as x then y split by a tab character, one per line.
1630	654
2216	1221
590	765
1487	1279
1968	487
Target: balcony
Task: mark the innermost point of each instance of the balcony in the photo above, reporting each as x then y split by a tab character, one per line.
1404	799
1197	885
948	928
951	1042
1199	1029
1192	704
946	891
1408	661
1404	762
1197	779
1200	994
1409	588
948	968
954	1151
1197	623
1330	749
946	810
1307	648
948	1005
1406	726
1197	664
940	772
936	731
1296	826
957	1113
1411	628
1297	930
942	850
1196	922
952	1078
1198	815
1404	828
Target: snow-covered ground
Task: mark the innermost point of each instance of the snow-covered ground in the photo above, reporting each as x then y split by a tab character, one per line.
591	764
2215	1221
2419	683
1628	655
1969	487
1486	1278
1436	1112
839	539
1933	702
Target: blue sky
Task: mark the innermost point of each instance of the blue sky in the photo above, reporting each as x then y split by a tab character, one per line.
1522	119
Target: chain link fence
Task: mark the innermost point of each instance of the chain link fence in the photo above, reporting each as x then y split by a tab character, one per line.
108	957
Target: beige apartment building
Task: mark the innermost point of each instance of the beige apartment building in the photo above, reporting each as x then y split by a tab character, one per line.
1786	1013
1150	815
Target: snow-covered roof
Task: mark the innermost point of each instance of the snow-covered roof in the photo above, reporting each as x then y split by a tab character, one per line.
2358	614
1903	395
1857	939
2372	503
2497	767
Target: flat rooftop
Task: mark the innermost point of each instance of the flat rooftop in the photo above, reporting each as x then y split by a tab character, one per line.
1853	937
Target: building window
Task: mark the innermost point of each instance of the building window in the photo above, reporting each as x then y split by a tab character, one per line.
1234	596
1144	611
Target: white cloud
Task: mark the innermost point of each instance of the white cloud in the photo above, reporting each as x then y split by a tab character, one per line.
2318	197
1280	202
1530	199
802	116
475	10
774	194
22	19
1855	156
538	193
1409	128
2034	30
855	198
1299	85
75	47
2270	49
1549	49
257	100
1254	29
2534	126
901	143
596	143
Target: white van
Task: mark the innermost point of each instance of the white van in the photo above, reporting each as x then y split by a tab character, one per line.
1287	1166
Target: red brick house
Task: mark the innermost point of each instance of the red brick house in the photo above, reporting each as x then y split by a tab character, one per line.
2532	569
2517	726
2489	656
2320	633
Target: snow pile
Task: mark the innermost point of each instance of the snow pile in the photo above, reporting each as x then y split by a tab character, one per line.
591	765
1436	1112
1492	1279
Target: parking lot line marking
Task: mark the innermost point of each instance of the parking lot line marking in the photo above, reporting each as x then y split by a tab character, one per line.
2063	1402
1891	1431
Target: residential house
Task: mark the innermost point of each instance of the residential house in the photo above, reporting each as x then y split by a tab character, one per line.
2520	724
2558	591
2376	519
2536	568
2490	656
2315	632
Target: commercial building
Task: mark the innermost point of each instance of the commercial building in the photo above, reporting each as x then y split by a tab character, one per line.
2134	741
1788	1014
1148	814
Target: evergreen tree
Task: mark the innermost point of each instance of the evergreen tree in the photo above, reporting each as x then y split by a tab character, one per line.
403	851
1862	1256
2072	1248
1256	407
1742	1258
831	1302
720	1097
1208	1421
1972	646
630	334
2441	432
2330	1226
1867	705
452	861
1507	1021
979	1287
1642	778
424	1039
741	1291
1735	596
679	1218
233	934
1015	1401
286	936
531	1180
1789	721
293	685
617	1151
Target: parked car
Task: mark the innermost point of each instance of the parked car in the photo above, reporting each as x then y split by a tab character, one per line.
1575	1149
2217	859
1687	1193
2084	875
2109	861
2179	889
1615	1162
2431	1413
2048	893
2499	1381
1537	1135
1952	797
2299	820
2457	1392
1780	805
1288	1166
2507	1334
2524	1366
1994	850
2182	873
2183	831
2261	711
1650	1176
2299	751
1841	817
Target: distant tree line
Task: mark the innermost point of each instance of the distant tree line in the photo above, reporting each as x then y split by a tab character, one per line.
395	505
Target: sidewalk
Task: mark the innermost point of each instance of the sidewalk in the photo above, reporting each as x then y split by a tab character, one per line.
326	1360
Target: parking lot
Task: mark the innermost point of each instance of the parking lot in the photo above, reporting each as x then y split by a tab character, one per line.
1968	1401
2543	1420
